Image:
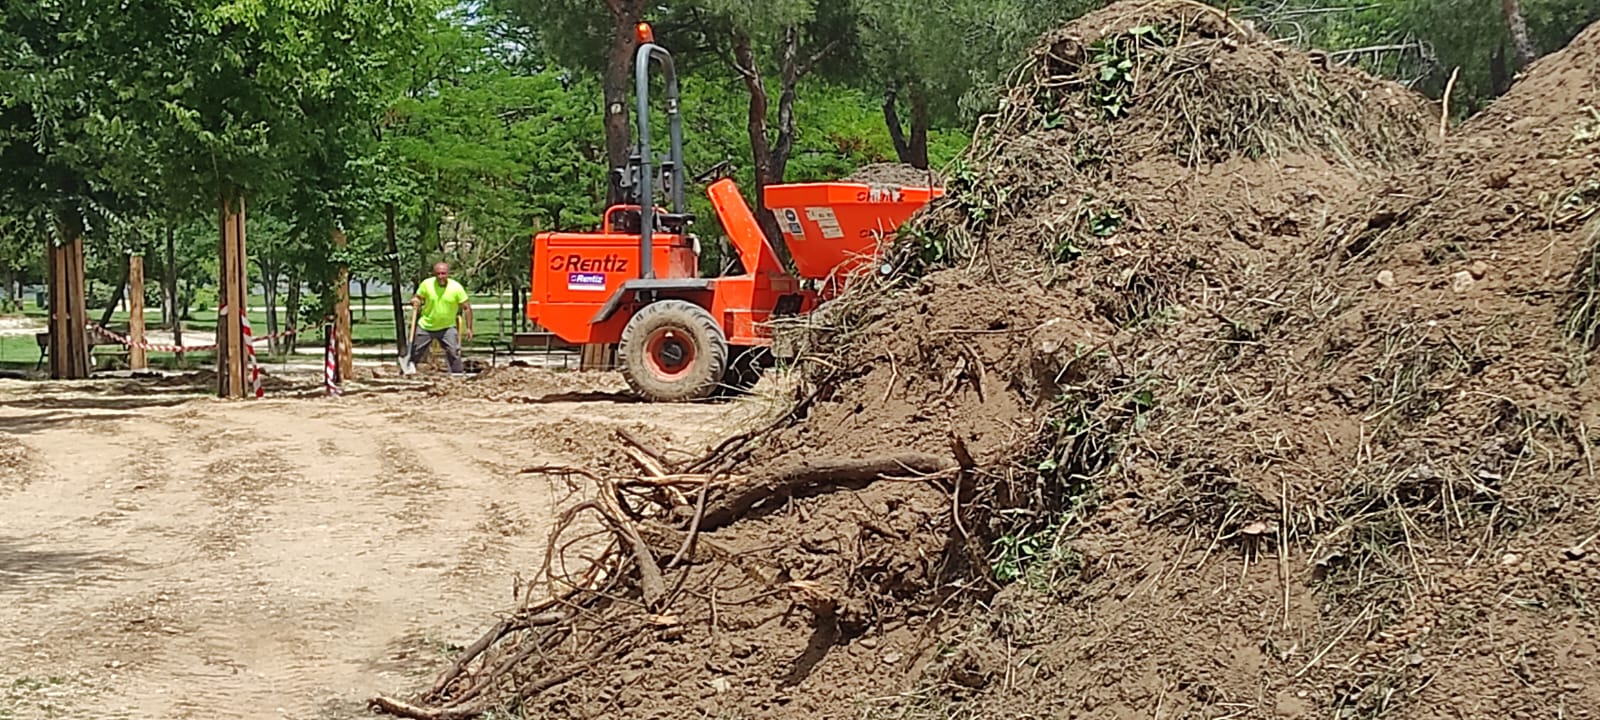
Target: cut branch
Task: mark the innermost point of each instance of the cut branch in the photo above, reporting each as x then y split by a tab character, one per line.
808	476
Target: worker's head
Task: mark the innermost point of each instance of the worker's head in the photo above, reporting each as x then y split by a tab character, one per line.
441	271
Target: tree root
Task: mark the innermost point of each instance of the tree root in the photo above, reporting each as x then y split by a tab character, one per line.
637	536
809	476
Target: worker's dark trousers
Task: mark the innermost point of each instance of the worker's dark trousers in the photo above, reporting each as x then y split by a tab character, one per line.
446	337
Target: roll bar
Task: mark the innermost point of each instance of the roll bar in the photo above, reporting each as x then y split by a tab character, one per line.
672	168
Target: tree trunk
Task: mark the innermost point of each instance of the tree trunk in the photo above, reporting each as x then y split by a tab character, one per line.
617	82
271	273
137	360
891	121
341	312
1518	28
760	149
788	78
115	299
1499	75
518	307
362	283
69	338
919	130
170	281
291	307
395	297
233	282
178	308
912	151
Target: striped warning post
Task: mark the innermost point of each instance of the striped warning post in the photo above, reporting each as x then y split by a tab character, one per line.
330	368
250	352
249	349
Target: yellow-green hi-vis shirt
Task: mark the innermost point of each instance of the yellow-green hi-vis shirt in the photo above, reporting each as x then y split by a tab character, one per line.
439	308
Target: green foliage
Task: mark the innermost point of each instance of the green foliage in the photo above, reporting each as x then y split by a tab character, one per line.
1420	42
1039	555
1115	57
953	53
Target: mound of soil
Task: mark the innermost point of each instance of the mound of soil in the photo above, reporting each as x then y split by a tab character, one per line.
1363	487
1244	423
1098	211
1036	271
894	175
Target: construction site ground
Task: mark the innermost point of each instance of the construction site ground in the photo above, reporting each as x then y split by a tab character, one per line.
167	554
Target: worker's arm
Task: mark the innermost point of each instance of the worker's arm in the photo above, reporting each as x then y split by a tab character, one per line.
466	310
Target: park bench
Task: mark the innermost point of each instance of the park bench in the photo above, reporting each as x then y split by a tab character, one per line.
95	347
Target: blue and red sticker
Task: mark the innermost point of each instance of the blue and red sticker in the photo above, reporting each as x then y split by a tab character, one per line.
586	281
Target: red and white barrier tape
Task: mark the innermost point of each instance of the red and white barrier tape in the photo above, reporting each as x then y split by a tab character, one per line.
250	352
330	368
124	341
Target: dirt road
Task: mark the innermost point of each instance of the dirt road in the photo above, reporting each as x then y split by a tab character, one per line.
164	555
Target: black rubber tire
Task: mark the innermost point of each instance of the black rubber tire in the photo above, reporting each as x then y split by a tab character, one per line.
745	365
694	330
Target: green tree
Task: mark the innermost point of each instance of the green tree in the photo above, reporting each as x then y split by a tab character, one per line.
595	35
939	63
1424	42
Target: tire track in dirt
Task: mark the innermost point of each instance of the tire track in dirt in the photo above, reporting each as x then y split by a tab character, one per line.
64	579
239	488
406	477
19	465
276	558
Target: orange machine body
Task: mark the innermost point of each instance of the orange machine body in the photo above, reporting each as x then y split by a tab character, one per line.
574	274
585	286
833	229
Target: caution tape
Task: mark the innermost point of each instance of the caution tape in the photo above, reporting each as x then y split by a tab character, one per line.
250	350
330	367
124	341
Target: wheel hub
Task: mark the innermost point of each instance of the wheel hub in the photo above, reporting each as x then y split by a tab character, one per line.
669	353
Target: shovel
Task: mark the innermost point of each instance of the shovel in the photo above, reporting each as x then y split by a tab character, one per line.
406	367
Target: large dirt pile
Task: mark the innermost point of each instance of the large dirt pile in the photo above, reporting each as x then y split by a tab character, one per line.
1151	160
1154	162
1364	485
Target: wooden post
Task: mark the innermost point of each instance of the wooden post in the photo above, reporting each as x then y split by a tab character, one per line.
597	357
80	307
69	331
136	352
231	358
343	350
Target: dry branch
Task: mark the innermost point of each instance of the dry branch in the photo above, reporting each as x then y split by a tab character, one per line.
500	630
401	708
631	440
810	475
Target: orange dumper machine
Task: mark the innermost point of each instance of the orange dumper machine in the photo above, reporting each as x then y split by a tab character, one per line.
638	285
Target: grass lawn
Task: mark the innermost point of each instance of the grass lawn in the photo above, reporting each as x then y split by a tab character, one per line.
376	330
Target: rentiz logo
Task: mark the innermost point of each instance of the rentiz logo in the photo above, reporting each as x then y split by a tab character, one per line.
609	263
586	281
881	195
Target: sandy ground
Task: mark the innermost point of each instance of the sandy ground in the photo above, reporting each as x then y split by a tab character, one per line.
164	555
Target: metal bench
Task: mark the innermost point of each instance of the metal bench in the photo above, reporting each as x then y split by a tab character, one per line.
43	340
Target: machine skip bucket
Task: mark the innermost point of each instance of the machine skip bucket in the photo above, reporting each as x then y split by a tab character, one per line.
834	228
